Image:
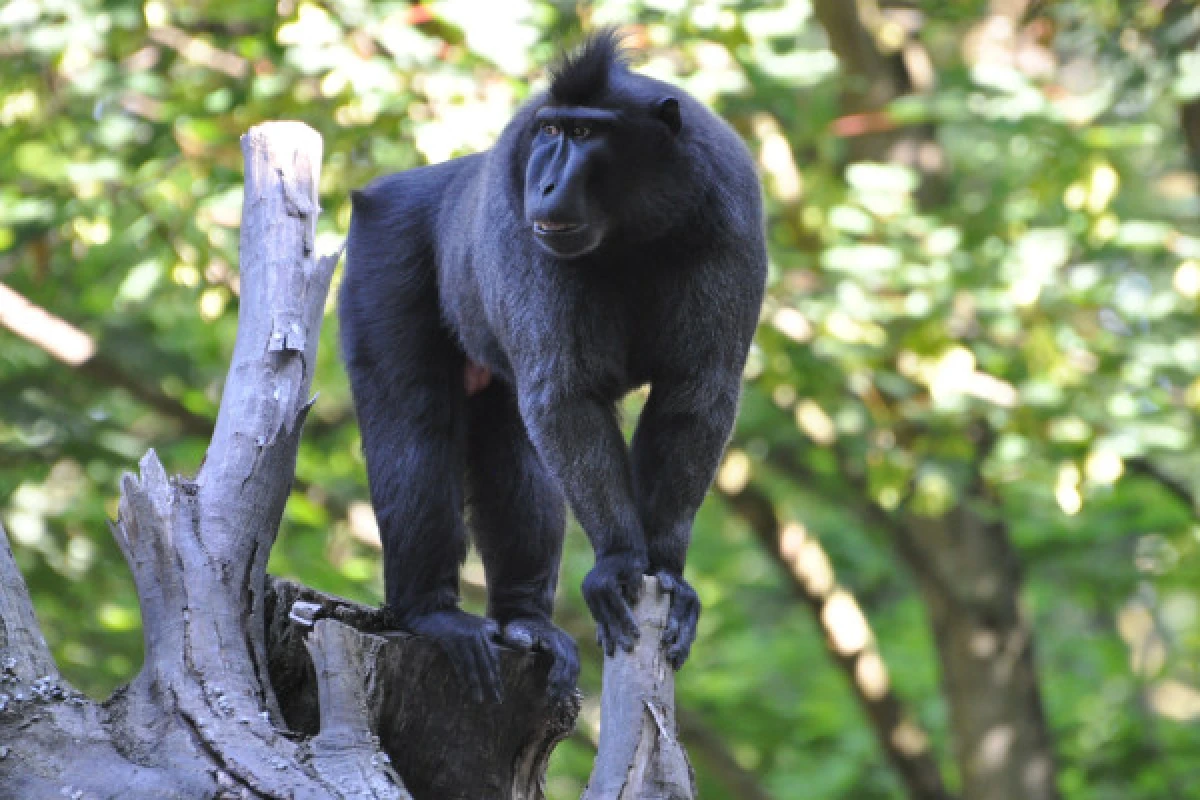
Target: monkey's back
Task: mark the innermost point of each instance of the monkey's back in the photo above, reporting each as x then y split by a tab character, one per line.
391	273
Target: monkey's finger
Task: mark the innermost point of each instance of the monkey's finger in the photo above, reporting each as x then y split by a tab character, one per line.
628	621
564	672
681	646
677	655
599	601
683	620
671	632
667	584
463	660
676	619
617	618
561	680
604	639
627	628
481	690
631	588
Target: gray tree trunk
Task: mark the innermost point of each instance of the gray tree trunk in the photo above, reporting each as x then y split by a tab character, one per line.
250	687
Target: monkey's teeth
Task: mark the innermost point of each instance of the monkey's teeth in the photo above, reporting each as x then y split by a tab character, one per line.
553	227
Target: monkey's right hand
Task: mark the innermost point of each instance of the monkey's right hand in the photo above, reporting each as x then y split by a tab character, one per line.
470	644
611	589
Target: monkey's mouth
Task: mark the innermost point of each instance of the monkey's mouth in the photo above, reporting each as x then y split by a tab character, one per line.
545	226
567	239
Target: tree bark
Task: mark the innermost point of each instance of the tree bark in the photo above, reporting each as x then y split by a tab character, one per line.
234	700
971	582
445	746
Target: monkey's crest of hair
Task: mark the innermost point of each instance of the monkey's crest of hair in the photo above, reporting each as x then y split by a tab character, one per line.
582	76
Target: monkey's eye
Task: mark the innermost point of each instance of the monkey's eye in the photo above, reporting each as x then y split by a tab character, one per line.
580	132
550	129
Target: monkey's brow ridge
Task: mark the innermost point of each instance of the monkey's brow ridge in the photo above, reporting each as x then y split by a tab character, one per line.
577	114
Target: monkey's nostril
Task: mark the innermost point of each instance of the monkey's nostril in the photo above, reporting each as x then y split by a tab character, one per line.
547	189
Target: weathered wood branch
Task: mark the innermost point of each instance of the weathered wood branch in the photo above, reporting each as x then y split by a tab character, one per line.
200	719
640	756
198	549
24	656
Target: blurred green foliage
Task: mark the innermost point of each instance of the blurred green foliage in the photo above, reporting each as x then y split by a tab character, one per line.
1049	293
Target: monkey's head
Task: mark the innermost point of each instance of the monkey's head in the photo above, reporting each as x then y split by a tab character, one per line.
602	147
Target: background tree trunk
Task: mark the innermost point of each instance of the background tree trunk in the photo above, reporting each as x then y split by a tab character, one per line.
963	561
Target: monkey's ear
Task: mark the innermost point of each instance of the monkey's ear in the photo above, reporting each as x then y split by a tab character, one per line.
668	112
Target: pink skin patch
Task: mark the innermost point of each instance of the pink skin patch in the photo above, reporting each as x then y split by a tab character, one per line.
476	378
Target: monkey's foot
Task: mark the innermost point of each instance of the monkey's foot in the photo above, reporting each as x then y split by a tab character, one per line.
682	618
539	633
611	589
469	642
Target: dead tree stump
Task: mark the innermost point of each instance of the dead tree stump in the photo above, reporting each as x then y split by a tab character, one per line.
228	703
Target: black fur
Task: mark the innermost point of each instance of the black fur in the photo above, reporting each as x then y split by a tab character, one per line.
590	251
581	77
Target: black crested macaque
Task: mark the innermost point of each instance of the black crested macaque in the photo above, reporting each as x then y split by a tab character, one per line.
496	307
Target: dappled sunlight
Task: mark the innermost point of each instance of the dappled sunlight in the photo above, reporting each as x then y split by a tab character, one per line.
976	379
870	672
1066	489
909	739
53	334
1175	700
955	374
734	473
775	156
845	623
1186	279
1147	649
993	751
34	507
792	324
846	628
807	560
1104	467
813	420
361	518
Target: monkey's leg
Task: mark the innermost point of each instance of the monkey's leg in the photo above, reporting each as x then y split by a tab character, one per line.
518	517
676	450
412	410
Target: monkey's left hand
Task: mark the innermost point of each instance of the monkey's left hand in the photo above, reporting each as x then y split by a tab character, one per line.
539	633
681	619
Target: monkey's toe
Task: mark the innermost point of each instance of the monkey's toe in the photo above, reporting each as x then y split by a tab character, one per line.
469	642
539	633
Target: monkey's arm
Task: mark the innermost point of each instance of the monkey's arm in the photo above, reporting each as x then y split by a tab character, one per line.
676	449
577	437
